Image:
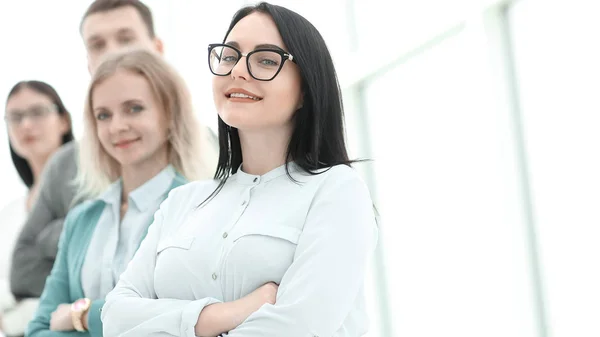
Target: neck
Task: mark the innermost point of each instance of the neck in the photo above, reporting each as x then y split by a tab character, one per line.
136	176
31	196
264	150
37	165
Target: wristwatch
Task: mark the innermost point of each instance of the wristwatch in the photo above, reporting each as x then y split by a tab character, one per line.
80	308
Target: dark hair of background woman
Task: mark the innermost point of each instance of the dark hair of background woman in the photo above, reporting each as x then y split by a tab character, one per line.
317	140
21	163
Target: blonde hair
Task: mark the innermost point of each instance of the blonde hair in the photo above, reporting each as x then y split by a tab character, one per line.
191	152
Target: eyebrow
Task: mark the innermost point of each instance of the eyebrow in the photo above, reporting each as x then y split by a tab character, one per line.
93	38
121	31
31	106
125	103
258	46
98	110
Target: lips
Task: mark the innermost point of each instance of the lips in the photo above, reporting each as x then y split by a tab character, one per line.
241	95
125	143
29	139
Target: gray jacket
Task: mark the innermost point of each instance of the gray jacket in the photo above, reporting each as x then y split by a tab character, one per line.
37	245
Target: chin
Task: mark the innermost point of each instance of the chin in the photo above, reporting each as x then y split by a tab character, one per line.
125	160
239	118
35	153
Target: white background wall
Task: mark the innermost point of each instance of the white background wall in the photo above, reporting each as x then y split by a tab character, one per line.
481	117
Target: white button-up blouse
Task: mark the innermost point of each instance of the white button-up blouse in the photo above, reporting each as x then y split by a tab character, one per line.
311	235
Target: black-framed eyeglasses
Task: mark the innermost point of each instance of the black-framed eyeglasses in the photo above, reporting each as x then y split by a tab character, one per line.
263	64
36	113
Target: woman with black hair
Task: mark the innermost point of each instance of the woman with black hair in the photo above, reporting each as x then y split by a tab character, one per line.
38	124
277	244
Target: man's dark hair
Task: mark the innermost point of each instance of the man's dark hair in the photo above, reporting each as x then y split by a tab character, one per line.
100	6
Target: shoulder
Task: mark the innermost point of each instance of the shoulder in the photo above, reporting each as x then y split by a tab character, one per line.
82	213
181	202
68	150
339	184
64	160
190	193
342	172
65	154
342	183
337	176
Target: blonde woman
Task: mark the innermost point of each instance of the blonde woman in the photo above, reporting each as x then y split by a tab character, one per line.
141	141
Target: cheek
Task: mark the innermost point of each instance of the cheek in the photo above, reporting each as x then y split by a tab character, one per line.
154	131
163	131
102	134
13	135
218	86
284	97
55	129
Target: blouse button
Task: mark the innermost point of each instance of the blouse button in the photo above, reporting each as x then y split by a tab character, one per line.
225	235
255	179
214	276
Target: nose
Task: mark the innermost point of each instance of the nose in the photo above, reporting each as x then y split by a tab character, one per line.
111	47
118	124
240	70
26	122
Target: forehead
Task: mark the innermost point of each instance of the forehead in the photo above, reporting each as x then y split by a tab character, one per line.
108	22
254	29
119	87
25	98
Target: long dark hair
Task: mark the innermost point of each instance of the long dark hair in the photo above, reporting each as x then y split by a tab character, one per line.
47	90
317	140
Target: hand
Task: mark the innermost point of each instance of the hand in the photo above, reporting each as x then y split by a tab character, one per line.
265	294
61	319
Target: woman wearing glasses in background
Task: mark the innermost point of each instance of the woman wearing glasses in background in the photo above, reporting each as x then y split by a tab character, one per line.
38	124
277	244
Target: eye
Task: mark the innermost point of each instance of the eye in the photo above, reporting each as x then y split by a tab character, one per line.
269	62
136	108
126	39
96	46
102	115
229	58
15	117
38	111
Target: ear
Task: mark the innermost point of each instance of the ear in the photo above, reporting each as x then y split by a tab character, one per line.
159	46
